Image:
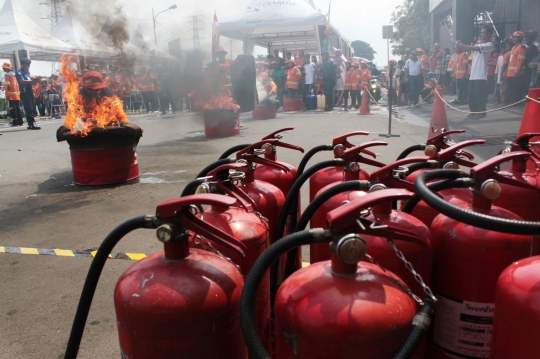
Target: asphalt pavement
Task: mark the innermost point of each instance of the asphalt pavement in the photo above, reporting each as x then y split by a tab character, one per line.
40	207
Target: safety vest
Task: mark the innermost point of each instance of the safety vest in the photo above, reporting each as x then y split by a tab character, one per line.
293	76
517	59
460	67
425	62
145	82
299	61
365	77
125	86
349	80
11	87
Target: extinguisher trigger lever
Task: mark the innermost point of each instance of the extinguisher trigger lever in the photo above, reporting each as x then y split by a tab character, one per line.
342	140
269	163
275	134
441	140
371	228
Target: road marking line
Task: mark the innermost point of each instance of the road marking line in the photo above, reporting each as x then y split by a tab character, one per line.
77	253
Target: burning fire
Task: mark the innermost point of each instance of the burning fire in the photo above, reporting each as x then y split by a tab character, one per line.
215	102
81	115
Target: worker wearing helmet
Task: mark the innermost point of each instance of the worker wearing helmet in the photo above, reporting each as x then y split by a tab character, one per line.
13	95
223	68
293	78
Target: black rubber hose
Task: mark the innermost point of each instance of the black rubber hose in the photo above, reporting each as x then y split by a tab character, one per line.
469	217
410	150
420	325
418	166
310	210
92	279
291	198
436	187
295	189
247	305
191	187
232	150
214	165
309	154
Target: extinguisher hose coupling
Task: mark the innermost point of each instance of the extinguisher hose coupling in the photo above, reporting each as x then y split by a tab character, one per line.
471	218
256	274
92	278
419	327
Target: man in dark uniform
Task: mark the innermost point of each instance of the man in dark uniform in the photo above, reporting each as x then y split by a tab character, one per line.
329	72
27	95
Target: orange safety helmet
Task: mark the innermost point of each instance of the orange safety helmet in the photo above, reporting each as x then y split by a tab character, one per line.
93	80
221	49
7	65
419	50
518	34
355	64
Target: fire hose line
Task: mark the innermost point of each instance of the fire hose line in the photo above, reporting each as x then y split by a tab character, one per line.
232	150
420	323
410	150
436	187
213	166
468	217
93	275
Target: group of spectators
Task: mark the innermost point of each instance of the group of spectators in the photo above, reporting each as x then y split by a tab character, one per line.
334	76
501	69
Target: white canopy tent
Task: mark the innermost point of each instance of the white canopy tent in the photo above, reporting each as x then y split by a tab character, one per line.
71	31
290	25
19	32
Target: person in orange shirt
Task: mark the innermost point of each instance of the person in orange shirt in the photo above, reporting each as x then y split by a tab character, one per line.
145	83
299	60
125	85
293	78
517	79
38	96
365	77
461	74
424	59
13	95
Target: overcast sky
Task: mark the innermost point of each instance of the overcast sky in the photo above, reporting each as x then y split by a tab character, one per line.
355	19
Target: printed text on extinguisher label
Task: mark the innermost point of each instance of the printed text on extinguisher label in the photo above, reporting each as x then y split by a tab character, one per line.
463	328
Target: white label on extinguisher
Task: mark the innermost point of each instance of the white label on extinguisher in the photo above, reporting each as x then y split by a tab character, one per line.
463	329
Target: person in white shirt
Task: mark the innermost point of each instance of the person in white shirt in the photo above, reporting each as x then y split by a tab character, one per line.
478	80
309	80
415	75
498	75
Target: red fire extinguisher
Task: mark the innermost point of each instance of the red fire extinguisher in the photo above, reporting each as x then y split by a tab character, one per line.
341	307
171	303
330	175
468	259
517	312
449	158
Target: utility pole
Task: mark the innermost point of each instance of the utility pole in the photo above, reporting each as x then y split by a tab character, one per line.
195	30
56	11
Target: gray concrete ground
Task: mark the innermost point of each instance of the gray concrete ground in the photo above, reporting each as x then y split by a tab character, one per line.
41	208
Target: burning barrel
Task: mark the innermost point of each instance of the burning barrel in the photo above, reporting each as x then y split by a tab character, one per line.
105	156
265	110
221	123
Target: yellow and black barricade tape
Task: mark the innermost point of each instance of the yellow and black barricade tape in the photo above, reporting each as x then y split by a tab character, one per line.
69	253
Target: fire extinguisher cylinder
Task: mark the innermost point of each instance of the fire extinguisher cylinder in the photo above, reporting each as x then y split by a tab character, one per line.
92	278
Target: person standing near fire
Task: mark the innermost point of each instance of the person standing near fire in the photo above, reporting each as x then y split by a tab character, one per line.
223	70
13	95
38	96
279	77
145	83
27	95
329	73
293	78
347	87
125	84
365	77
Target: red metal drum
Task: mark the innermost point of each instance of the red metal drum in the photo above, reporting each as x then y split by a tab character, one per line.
221	123
264	112
102	166
292	103
517	312
325	312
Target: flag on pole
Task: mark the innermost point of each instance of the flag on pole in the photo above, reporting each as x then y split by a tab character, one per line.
215	34
326	41
327	32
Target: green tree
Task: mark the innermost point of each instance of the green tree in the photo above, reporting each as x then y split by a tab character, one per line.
413	26
363	49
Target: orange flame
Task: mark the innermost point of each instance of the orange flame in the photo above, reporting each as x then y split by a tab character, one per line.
81	115
215	102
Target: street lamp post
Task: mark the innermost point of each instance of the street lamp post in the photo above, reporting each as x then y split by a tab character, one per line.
172	7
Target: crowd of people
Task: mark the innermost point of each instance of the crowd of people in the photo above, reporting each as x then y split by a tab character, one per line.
492	69
334	76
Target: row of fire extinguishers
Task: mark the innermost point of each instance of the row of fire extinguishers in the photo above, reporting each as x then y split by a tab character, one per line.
417	259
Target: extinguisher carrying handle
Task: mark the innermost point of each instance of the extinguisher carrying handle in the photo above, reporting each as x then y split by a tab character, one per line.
276	135
489	170
384	175
229	189
249	294
346	218
257	145
452	153
92	278
419	327
522	143
440	140
354	153
343	139
268	163
475	219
